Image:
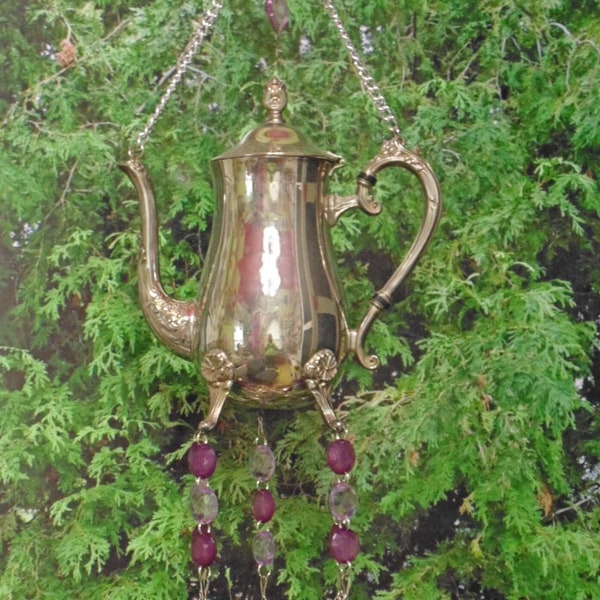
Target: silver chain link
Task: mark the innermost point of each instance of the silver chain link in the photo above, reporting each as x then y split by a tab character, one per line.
369	84
203	29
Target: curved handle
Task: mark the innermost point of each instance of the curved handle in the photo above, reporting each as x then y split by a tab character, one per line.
393	153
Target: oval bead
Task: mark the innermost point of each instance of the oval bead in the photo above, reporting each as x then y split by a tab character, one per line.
203	502
263	548
342	502
262	463
340	456
263	506
203	548
343	544
202	460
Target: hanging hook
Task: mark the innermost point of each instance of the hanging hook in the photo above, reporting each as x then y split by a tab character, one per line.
261	438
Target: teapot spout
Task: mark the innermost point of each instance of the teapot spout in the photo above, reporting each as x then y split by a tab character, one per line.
172	321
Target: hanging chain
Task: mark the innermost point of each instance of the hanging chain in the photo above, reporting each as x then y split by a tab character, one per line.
204	28
184	61
369	84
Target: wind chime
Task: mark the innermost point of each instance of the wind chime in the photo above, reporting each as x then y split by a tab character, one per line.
269	329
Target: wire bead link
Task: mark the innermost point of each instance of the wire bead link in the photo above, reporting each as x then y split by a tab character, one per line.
369	84
264	572
204	575
345	581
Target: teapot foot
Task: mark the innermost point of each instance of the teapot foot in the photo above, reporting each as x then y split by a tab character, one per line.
318	373
218	371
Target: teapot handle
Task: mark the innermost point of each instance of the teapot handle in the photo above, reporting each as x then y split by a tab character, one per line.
392	153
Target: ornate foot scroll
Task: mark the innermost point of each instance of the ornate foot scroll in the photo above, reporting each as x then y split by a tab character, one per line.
318	373
217	369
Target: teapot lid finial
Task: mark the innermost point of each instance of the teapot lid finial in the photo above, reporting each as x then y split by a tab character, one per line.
274	138
275	100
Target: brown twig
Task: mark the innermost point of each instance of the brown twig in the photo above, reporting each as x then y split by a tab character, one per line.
67	187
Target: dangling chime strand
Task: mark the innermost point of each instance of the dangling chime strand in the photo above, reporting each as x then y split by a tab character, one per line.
262	468
343	542
202	461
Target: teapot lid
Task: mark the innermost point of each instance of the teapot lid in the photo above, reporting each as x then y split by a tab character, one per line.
275	138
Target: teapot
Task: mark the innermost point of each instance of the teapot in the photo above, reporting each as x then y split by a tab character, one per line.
268	328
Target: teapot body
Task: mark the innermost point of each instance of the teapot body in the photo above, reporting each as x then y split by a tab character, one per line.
269	298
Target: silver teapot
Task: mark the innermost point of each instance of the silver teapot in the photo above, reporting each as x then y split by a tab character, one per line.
268	328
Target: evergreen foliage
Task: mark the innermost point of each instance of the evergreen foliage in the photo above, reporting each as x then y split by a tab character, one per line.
479	463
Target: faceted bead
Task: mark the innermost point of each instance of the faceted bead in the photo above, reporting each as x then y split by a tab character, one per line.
340	457
263	506
202	460
203	502
342	501
262	463
204	548
343	544
263	548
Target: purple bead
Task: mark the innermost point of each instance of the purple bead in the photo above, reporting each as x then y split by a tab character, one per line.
278	14
342	502
204	548
340	457
202	460
262	463
263	506
263	548
343	544
203	502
